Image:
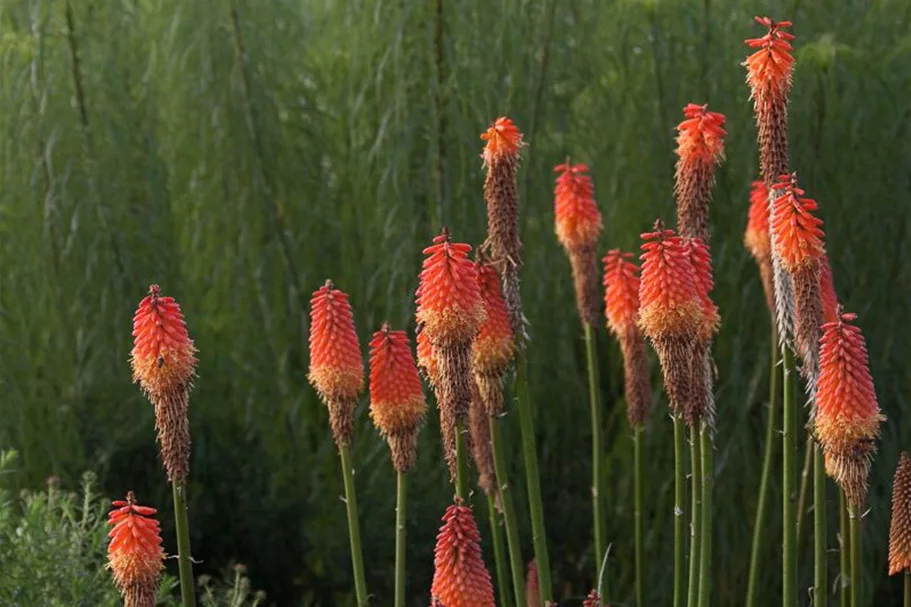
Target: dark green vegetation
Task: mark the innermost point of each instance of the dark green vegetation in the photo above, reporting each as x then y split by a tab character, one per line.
240	159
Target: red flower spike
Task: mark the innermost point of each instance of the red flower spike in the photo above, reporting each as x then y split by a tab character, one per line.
669	302
756	237
770	68
494	346
135	554
163	358
397	402
449	306
701	259
503	139
460	578
336	367
847	413
798	233
621	292
900	524
700	137
577	218
827	292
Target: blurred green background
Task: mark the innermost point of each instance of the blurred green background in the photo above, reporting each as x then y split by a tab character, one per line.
241	152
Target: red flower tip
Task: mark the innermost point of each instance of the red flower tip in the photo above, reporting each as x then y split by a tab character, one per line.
756	237
621	291
578	220
397	401
669	303
700	137
494	346
798	232
460	578
769	69
134	553
163	358
336	367
449	306
503	140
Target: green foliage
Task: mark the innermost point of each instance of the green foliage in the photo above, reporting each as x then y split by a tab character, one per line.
239	177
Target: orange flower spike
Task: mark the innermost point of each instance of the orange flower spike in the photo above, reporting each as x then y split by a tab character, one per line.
494	346
771	66
163	358
847	413
669	301
135	555
701	259
449	306
578	220
503	139
798	232
460	578
336	367
700	137
397	402
827	292
621	292
900	525
756	237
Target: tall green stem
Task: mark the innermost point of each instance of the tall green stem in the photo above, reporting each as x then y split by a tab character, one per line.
844	552
637	499
499	551
695	518
764	482
820	579
401	546
461	485
354	529
804	489
789	488
597	480
533	480
679	499
856	550
705	555
509	513
184	559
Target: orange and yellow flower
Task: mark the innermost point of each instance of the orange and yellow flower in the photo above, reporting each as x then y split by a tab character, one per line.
460	578
135	554
701	260
397	402
621	292
770	67
798	233
700	137
669	301
336	367
577	218
503	140
494	346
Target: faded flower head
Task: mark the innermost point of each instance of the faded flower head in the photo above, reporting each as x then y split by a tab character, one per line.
900	526
460	578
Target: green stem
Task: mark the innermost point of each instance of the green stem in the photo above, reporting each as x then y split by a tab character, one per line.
530	453
354	530
804	488
499	551
184	559
461	485
597	481
820	581
856	549
401	547
705	555
907	577
845	551
516	562
789	488
771	422
695	518
637	497
679	499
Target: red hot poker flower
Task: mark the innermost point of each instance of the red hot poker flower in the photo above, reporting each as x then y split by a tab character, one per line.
503	139
578	220
135	553
756	237
460	578
798	233
900	525
701	259
700	138
827	292
770	68
163	358
621	292
493	348
847	414
669	302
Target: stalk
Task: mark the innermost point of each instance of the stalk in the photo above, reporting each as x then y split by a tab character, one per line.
820	581
461	485
705	556
679	499
530	453
498	551
804	485
354	530
401	546
856	586
695	519
516	563
597	480
764	482
637	490
184	562
907	602
789	474
844	558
